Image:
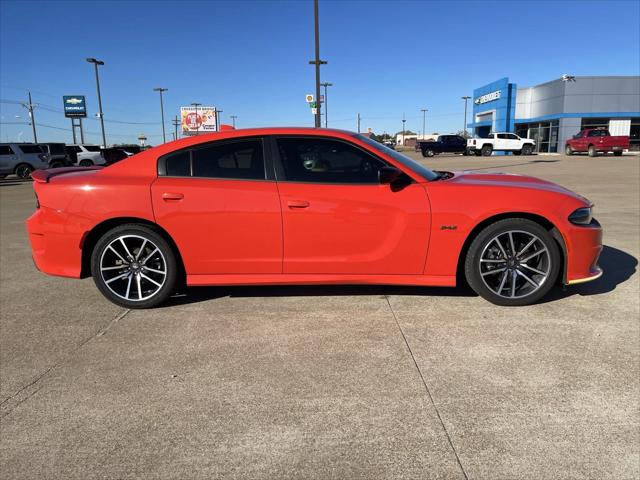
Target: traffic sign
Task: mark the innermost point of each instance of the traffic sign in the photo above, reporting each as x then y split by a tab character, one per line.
314	111
309	98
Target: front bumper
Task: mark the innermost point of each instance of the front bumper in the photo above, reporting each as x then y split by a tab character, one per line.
584	246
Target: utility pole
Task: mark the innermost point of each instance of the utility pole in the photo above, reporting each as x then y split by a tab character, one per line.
358	123
233	120
175	122
317	62
29	106
403	130
196	105
95	64
326	103
424	120
160	89
216	112
465	113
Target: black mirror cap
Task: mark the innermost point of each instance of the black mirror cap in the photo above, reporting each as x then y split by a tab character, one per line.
389	174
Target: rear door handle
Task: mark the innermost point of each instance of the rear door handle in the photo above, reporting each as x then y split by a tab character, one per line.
298	204
167	196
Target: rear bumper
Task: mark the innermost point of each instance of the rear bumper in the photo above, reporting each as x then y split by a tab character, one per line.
55	252
584	245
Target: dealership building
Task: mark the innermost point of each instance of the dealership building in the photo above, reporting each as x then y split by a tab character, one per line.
554	111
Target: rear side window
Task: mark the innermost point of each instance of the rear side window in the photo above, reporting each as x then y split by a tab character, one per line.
92	148
178	164
321	160
73	149
57	148
5	150
30	148
241	159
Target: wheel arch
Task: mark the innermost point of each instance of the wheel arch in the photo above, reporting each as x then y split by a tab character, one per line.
22	163
90	239
540	220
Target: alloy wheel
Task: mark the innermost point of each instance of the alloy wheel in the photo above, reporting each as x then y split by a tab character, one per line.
133	267
515	264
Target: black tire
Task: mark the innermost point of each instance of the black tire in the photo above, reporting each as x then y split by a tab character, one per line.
465	152
487	150
527	149
568	150
2	176
86	163
165	259
592	151
23	170
521	229
428	152
477	153
56	165
618	153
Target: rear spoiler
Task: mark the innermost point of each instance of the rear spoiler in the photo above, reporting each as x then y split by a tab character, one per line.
43	176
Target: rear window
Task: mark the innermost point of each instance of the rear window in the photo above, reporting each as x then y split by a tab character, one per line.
92	148
5	150
30	148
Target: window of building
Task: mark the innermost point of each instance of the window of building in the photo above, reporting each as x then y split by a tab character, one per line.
322	160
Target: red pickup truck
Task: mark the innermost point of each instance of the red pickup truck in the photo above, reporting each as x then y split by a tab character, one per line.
596	140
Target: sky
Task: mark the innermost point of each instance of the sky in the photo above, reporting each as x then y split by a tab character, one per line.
250	59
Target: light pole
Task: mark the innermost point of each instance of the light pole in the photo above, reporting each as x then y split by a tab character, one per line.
317	62
233	120
175	122
424	120
216	112
160	90
326	103
95	64
29	106
403	130
465	114
196	105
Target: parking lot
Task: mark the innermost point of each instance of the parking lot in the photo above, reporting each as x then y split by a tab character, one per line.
329	382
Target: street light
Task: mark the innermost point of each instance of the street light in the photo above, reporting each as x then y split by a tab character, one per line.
403	130
465	113
196	105
160	89
95	64
233	120
317	62
424	120
326	103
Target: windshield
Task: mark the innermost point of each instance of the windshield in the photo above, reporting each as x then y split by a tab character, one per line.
400	158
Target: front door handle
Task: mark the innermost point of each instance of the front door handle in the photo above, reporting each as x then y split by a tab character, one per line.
298	204
168	196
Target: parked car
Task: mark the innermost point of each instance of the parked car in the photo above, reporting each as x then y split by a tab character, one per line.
57	154
305	206
501	142
113	155
21	159
443	144
596	140
85	155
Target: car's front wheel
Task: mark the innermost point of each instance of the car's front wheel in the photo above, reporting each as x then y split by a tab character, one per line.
527	149
134	266
428	152
513	262
568	150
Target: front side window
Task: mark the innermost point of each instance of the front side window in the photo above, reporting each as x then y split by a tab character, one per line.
31	149
323	160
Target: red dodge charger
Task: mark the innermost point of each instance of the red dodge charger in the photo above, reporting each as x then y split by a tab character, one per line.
305	206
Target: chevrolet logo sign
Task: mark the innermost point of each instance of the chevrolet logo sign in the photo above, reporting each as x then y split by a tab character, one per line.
489	97
73	101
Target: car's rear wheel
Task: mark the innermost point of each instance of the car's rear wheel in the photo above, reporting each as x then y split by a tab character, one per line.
133	266
592	151
86	163
487	150
513	262
568	150
23	170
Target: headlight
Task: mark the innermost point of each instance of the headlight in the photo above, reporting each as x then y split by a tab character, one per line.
582	216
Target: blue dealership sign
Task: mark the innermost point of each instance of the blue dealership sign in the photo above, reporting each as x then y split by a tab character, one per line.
74	106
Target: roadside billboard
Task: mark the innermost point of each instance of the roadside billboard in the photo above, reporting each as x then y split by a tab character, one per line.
74	106
201	121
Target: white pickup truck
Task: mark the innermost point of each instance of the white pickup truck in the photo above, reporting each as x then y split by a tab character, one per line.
500	142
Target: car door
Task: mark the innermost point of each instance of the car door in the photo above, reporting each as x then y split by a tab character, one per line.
220	207
338	218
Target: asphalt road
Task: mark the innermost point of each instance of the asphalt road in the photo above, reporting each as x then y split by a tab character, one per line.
328	382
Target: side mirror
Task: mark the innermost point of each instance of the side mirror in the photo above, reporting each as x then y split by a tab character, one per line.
389	174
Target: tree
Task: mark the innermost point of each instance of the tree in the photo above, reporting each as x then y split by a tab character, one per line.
406	132
463	134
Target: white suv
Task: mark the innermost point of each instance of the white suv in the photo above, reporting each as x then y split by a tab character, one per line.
500	142
85	155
